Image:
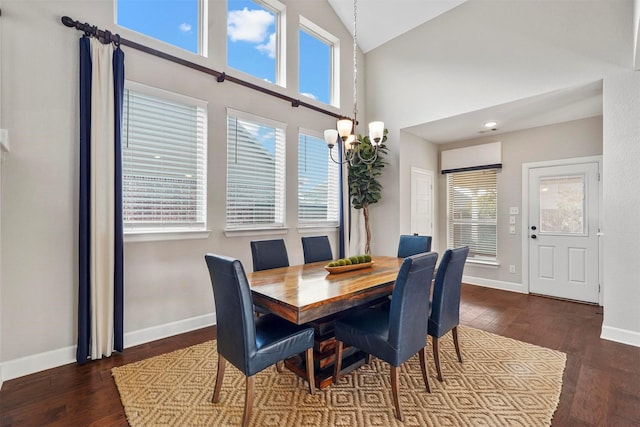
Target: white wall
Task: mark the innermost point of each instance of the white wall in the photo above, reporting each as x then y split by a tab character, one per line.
578	138
167	287
415	152
490	52
486	53
621	156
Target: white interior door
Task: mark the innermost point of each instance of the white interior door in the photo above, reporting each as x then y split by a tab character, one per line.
421	202
563	231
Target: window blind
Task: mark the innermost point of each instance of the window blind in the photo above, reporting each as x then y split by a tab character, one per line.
472	212
164	162
255	171
318	192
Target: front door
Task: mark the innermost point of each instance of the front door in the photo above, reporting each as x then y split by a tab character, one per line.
563	231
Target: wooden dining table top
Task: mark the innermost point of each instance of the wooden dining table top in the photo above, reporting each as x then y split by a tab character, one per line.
303	293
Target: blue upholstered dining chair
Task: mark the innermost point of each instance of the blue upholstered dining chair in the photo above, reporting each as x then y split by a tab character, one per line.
316	248
445	305
413	244
268	254
395	335
250	344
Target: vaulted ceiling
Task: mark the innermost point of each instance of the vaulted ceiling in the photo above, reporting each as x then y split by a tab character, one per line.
379	21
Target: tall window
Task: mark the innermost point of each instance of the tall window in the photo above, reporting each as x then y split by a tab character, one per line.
317	55
255	171
471	213
318	187
163	160
181	23
254	38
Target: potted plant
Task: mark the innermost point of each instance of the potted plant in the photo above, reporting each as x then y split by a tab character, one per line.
364	187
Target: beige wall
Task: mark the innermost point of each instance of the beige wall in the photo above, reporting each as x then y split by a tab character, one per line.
580	138
167	288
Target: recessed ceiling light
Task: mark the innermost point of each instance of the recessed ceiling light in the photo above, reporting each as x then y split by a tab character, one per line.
490	124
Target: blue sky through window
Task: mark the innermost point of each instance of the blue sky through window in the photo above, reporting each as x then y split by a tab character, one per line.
251	38
172	21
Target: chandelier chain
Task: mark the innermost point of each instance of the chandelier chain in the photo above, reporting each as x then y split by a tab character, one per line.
355	65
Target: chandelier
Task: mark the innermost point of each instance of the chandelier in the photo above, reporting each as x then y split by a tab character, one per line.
346	128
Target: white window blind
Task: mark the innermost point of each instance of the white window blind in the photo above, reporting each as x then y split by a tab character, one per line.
318	190
471	212
164	161
255	171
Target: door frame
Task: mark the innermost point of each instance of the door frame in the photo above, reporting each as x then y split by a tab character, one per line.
526	167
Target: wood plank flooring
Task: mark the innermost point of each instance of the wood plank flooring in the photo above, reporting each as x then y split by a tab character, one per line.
601	381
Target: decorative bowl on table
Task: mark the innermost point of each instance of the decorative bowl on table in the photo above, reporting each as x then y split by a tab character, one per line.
348	264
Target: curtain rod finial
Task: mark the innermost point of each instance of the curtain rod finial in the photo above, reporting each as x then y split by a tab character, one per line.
68	22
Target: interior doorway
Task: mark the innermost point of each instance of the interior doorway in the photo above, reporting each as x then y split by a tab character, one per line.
422	207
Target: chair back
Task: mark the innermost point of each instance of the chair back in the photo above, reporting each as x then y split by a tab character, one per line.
413	244
236	336
409	303
268	254
445	306
316	248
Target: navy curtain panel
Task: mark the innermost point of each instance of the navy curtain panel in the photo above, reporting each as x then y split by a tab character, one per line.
85	308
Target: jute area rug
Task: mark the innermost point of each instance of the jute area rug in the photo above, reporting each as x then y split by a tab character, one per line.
502	382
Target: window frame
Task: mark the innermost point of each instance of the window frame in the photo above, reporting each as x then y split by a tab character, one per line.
324	36
280	187
172	232
473	258
279	10
330	188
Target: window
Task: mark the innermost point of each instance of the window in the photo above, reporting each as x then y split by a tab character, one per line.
255	171
163	161
471	212
180	23
318	51
318	187
255	39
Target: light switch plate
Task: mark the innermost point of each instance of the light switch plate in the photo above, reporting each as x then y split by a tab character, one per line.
512	229
512	220
513	210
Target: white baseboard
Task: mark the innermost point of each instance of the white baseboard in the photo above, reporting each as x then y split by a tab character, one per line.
52	359
495	284
623	336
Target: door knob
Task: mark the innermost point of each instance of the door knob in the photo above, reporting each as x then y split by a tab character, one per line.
533	236
533	227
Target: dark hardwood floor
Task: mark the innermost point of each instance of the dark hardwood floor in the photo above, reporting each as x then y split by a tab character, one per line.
601	381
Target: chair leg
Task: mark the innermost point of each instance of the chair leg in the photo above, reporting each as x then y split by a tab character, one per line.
456	343
394	392
337	364
436	357
310	373
219	376
423	365
248	401
369	359
280	366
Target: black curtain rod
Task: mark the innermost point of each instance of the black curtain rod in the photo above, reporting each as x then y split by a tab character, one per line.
108	37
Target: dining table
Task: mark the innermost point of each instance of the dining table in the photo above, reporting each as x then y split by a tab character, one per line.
310	294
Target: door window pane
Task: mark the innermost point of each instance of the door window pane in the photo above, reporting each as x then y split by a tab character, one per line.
562	204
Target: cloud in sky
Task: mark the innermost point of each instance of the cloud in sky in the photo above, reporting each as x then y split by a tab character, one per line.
249	25
310	95
185	28
270	47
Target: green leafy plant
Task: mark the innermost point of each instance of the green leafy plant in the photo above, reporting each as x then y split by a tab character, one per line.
364	187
